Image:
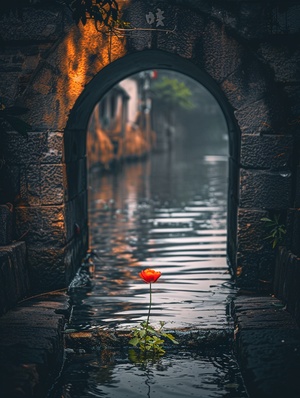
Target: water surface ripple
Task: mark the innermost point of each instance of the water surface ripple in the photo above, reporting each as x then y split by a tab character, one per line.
168	214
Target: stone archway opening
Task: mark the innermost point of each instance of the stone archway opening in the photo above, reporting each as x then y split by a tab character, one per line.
153	116
75	135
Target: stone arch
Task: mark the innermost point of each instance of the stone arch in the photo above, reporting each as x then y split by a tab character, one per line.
65	89
154	59
133	63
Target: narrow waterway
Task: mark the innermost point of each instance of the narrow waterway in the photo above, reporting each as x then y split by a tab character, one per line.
165	213
168	213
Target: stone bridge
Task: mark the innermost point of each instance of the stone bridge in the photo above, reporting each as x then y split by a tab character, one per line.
245	52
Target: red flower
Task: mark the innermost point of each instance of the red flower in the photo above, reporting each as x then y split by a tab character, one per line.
149	275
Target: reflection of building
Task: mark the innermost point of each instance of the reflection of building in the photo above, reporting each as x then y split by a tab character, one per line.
120	126
106	129
113	118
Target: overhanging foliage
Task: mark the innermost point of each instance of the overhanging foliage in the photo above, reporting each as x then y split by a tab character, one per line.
102	12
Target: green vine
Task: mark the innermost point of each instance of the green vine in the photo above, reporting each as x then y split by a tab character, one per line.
102	12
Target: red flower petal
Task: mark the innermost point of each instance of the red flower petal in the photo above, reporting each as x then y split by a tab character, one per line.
149	275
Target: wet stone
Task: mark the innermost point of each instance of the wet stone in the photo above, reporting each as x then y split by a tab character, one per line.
60	306
267	344
14	278
266	151
271	362
31	347
20	354
265	189
19	381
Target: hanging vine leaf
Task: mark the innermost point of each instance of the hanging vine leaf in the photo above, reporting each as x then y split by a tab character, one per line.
102	12
9	119
19	125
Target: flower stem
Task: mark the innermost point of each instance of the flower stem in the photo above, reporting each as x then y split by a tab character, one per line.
149	305
147	323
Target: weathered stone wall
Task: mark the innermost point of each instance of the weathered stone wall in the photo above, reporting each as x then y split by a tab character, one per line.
14	279
286	281
245	52
35	171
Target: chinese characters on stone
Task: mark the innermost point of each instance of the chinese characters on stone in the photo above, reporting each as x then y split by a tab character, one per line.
150	18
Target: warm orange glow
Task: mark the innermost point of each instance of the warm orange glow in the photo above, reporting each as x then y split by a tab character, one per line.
135	144
100	149
83	54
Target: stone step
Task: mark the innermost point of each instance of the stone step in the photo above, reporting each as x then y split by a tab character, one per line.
32	346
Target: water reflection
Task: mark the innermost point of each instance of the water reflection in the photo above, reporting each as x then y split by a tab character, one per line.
179	374
167	213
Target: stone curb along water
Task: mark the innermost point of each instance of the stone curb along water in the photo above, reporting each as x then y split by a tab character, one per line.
32	345
267	346
188	338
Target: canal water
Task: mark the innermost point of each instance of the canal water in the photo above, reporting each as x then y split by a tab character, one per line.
168	213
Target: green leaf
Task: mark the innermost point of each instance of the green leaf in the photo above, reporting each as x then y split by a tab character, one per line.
142	332
269	237
135	341
152	330
132	355
157	340
276	218
170	337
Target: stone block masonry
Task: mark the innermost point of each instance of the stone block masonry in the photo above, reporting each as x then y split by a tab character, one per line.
45	209
14	278
286	281
32	346
267	345
6	223
255	258
266	151
265	189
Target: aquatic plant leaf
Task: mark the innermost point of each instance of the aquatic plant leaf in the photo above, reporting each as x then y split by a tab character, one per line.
134	341
170	337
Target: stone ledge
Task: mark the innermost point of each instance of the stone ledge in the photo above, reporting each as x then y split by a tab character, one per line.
267	345
32	346
14	280
108	339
